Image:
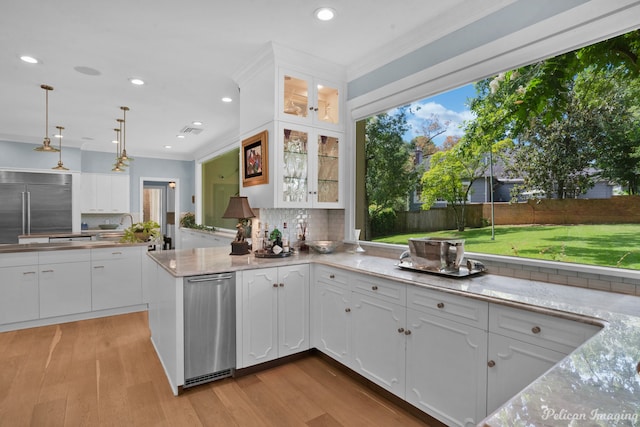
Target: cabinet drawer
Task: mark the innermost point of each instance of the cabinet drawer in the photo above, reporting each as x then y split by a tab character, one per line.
546	331
385	289
468	311
55	257
331	275
15	259
115	253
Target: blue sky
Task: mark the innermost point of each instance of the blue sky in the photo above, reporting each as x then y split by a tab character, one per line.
448	106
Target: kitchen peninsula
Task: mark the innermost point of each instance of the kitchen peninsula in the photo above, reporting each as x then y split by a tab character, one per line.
592	335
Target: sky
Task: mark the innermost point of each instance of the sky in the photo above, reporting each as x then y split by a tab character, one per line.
448	106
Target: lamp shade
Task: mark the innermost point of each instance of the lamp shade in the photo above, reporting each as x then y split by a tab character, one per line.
238	208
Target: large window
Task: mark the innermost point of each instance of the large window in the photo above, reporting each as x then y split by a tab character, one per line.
554	146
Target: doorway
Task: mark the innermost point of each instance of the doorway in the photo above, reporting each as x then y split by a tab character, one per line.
159	203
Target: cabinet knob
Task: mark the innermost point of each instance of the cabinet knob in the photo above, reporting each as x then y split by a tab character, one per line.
440	305
281	285
275	285
315	109
348	310
374	288
536	329
491	363
401	330
310	108
407	332
332	276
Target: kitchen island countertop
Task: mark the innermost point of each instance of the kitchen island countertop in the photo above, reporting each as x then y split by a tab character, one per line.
599	382
57	246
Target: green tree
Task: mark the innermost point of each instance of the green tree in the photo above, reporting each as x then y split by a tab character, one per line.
451	174
390	175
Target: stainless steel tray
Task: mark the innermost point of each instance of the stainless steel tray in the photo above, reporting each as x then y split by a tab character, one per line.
271	254
462	272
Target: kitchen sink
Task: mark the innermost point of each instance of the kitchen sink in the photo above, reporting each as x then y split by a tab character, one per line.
113	236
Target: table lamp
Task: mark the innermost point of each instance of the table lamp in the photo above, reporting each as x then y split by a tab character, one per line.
239	208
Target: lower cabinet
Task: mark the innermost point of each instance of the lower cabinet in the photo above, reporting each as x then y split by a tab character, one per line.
275	313
446	368
19	299
514	364
116	277
65	282
378	341
331	318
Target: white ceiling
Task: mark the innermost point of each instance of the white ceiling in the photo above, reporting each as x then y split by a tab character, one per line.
187	51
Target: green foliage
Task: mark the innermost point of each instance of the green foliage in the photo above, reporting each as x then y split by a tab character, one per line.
188	220
390	176
142	232
382	221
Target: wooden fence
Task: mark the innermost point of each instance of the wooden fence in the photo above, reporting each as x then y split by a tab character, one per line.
616	210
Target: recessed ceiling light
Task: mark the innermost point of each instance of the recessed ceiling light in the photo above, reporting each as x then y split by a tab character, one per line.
180	136
136	81
29	59
325	13
167	146
226	99
196	123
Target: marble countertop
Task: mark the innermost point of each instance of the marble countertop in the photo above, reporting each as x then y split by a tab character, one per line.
597	384
57	246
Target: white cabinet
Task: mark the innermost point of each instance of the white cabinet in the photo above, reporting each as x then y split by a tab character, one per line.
309	163
18	287
446	368
523	345
305	99
378	341
64	282
331	308
104	193
514	364
275	313
116	277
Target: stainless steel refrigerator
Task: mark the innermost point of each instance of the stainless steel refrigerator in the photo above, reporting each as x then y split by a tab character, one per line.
33	203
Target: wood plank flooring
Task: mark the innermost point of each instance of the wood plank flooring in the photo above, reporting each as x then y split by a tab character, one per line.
104	372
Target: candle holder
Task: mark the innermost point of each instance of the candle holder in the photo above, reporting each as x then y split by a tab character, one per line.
356	237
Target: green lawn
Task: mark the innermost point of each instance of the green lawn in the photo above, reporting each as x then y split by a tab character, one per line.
613	245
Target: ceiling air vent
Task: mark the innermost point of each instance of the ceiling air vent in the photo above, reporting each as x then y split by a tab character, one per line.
189	130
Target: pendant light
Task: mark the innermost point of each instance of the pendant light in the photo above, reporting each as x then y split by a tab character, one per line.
60	166
119	165
46	144
123	154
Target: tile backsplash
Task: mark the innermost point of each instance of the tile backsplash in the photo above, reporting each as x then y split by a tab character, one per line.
321	224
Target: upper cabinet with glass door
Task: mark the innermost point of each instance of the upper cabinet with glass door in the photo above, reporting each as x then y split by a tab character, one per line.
311	163
308	100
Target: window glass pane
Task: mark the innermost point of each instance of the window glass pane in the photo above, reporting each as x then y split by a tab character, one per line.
220	181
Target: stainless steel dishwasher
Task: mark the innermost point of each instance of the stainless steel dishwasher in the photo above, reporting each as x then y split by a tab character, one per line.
209	328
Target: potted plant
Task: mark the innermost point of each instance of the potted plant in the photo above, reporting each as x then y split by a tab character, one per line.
142	232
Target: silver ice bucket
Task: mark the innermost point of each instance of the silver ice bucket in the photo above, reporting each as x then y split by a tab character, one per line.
436	254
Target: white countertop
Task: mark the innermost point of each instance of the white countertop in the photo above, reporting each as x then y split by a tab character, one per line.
599	381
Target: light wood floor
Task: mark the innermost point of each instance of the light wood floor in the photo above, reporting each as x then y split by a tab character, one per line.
104	372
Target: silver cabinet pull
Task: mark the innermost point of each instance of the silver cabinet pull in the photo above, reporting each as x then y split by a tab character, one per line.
28	272
98	266
47	271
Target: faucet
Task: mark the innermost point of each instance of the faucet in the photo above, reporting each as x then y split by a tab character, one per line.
124	216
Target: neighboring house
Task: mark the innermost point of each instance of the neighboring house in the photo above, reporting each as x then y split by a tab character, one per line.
503	186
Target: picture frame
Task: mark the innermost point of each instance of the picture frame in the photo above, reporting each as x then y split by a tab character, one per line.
255	159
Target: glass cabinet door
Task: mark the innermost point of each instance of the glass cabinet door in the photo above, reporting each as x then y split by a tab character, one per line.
295	183
328	169
328	104
296	96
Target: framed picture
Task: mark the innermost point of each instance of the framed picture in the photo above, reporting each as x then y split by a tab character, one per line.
255	159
